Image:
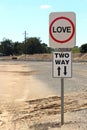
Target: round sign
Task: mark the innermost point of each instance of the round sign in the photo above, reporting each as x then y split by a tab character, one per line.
62	29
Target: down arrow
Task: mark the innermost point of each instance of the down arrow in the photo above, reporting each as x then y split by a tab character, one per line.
65	72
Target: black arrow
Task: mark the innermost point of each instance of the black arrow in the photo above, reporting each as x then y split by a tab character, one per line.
58	71
65	72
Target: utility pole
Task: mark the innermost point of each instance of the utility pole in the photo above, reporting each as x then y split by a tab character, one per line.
25	43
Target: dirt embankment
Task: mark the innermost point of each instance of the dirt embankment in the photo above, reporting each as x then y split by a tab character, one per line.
44	57
48	57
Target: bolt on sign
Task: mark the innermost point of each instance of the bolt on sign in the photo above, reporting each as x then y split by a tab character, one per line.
61	64
62	30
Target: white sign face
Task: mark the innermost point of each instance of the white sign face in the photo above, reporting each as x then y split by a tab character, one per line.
62	64
62	30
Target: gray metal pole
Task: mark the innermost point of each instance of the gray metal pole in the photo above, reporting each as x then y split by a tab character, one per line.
62	101
25	45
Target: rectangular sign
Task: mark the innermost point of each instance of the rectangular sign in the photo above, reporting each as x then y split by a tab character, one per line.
62	29
62	64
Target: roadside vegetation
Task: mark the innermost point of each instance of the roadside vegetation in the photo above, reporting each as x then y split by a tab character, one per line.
32	45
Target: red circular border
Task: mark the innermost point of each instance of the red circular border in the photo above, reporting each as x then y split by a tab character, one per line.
73	31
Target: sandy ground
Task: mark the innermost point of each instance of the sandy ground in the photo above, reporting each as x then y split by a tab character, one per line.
18	83
27	104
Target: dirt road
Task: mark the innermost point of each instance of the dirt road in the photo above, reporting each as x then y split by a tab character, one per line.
18	82
30	97
77	83
27	80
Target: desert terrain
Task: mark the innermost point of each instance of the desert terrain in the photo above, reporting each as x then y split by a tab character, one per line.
30	98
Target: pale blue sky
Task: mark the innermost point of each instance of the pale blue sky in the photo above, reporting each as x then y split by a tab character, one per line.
16	16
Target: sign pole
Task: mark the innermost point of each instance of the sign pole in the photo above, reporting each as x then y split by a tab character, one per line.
62	101
62	35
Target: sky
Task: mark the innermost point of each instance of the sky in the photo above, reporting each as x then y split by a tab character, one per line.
16	16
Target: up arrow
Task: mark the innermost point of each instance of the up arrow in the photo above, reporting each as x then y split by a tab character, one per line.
58	71
65	72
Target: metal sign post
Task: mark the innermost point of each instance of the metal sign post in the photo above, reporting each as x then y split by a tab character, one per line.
62	68
62	35
62	101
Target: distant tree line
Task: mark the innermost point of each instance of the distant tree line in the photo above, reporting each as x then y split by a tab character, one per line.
32	45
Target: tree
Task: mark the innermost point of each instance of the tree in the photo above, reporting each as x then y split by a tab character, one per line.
7	47
33	45
83	48
45	48
18	48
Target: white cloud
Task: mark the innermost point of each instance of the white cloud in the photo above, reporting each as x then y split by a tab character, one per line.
45	6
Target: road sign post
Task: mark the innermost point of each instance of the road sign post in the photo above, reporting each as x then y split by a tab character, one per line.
62	68
62	101
62	34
